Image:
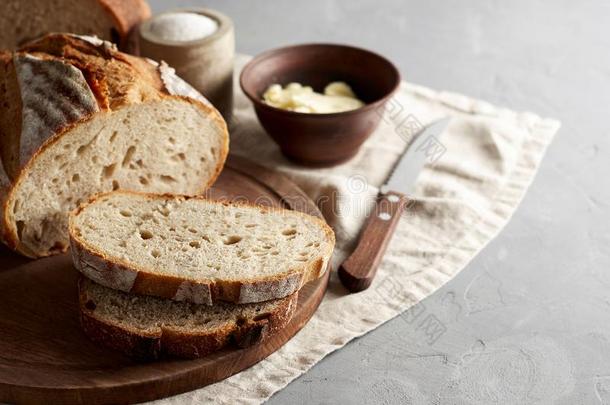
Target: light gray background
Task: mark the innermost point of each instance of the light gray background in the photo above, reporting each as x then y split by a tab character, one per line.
528	321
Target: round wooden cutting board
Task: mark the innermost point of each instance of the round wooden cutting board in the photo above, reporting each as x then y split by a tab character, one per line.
45	358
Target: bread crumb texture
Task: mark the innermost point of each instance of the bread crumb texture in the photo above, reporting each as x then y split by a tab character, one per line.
198	239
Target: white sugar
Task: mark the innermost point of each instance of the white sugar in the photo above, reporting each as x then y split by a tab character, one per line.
182	26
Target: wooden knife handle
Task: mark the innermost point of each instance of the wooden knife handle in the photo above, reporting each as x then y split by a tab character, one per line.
359	269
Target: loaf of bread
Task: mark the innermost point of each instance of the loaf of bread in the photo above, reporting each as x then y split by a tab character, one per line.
79	117
148	327
24	20
197	250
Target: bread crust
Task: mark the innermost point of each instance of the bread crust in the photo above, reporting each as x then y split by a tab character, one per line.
122	17
10	108
117	80
127	14
106	270
5	184
167	341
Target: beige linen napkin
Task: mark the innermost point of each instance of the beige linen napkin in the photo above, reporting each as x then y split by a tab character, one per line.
478	172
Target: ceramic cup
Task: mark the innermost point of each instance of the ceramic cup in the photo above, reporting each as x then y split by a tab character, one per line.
206	63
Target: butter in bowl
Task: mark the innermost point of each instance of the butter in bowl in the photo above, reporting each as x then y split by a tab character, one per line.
337	97
319	102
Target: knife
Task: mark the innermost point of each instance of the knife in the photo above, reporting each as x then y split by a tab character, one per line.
358	270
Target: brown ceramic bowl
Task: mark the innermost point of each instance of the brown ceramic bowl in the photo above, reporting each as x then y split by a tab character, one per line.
321	139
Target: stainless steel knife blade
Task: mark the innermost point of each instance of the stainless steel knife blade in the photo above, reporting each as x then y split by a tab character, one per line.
425	147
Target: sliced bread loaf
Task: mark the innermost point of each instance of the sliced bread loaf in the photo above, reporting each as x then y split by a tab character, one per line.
80	117
24	20
195	249
148	327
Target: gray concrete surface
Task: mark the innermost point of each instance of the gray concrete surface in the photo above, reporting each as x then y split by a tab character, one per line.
528	321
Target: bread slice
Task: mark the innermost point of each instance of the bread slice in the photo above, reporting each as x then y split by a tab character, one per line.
24	20
149	327
84	118
197	250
